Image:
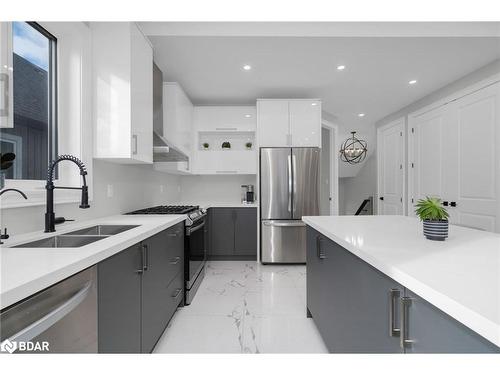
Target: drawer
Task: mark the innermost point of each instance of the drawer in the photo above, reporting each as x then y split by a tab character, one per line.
175	293
175	251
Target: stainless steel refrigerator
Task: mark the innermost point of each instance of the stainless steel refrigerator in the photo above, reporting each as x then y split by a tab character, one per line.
289	189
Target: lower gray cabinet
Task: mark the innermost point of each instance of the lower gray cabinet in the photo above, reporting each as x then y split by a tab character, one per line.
119	302
358	309
430	330
139	290
350	302
233	233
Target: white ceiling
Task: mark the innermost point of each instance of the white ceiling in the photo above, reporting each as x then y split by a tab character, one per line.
374	82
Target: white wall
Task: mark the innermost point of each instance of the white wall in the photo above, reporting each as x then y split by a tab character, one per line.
134	187
353	190
206	189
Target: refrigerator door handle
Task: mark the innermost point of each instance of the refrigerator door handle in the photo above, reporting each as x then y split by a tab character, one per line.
294	186
290	183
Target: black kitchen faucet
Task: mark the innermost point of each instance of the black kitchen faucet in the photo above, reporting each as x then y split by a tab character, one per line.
50	219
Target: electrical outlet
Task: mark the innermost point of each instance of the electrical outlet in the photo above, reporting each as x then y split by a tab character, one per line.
110	191
162	188
179	188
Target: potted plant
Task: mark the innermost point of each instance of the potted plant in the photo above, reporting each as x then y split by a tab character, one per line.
206	146
435	218
6	160
226	145
248	145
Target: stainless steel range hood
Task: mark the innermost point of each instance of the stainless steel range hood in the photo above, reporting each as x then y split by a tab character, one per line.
163	150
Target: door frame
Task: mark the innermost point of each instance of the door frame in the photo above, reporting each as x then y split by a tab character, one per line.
404	137
334	165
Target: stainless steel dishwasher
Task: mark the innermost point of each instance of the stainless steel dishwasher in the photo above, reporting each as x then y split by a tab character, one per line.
63	315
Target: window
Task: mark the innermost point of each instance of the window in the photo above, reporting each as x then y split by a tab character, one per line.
33	137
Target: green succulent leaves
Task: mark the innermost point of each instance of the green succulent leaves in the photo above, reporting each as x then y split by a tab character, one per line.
431	209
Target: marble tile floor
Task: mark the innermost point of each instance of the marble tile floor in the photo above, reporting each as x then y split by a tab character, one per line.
245	307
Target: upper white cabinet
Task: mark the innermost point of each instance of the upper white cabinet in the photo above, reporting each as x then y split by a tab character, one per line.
232	126
221	118
289	123
123	93
177	117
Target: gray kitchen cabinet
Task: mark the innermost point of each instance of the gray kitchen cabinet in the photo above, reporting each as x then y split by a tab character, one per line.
221	232
349	300
245	232
139	290
233	233
356	307
119	302
430	330
159	301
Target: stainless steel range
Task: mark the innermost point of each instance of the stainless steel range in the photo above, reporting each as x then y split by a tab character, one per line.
195	243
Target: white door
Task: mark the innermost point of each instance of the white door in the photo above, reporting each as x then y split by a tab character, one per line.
305	123
390	144
455	156
273	123
429	136
475	191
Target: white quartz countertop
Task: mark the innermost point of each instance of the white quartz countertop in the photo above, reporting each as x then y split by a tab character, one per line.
25	271
460	276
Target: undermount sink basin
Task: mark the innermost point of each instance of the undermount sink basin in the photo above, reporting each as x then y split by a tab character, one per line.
102	230
63	241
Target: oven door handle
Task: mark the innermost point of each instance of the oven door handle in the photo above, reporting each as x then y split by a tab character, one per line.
190	230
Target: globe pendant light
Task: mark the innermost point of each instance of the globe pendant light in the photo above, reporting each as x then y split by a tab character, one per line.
353	150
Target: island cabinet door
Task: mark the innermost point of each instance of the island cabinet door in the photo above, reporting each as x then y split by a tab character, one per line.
119	296
427	329
353	305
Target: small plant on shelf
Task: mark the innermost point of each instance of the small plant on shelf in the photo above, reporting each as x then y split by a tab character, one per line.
226	145
248	145
434	216
206	146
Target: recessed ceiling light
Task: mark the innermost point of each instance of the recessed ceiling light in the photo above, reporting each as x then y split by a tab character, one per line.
412	82
247	67
341	67
361	114
314	103
248	116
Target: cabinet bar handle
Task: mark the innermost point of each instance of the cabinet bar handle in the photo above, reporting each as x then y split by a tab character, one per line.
175	260
134	140
228	172
226	129
404	341
321	254
393	295
145	258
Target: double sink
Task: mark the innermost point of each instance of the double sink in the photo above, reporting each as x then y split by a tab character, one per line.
79	238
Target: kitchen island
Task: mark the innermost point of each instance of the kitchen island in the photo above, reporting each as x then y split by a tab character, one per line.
456	282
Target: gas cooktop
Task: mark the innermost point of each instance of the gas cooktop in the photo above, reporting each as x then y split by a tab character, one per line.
165	210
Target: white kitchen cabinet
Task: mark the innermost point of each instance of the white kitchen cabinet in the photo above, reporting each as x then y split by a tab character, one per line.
123	93
454	155
6	70
177	117
225	118
215	125
305	123
289	123
273	123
